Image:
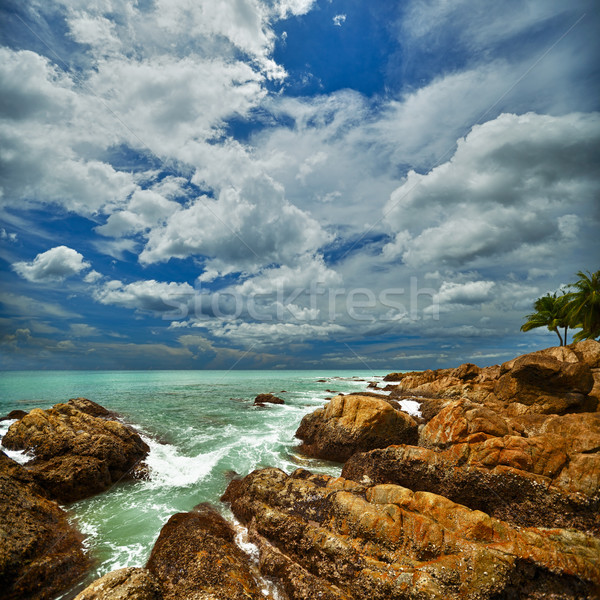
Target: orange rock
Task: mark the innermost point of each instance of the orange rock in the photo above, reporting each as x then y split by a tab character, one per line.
461	420
354	423
388	542
520	480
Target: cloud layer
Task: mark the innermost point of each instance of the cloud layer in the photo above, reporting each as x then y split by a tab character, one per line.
200	190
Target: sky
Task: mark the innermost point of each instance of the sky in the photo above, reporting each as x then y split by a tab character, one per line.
296	184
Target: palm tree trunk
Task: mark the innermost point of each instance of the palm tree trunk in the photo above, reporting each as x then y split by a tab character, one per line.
566	328
559	336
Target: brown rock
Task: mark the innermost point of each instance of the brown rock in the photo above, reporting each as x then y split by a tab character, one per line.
466	372
541	383
41	555
89	407
131	583
551	381
76	454
336	539
587	352
263	399
195	557
13	414
487	477
429	407
532	470
393	376
354	423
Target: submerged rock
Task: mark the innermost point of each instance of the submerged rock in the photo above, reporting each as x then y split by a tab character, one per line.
77	454
41	554
130	583
195	557
354	423
337	539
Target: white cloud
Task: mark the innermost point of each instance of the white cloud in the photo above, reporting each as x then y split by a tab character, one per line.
310	271
92	277
285	8
53	265
5	235
509	189
19	305
243	229
465	293
275	334
82	330
154	296
339	20
145	210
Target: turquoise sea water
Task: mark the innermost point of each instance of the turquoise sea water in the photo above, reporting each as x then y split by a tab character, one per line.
201	426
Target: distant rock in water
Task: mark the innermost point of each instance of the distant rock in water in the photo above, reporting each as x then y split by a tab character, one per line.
263	399
130	583
13	414
77	454
41	554
195	556
335	539
354	423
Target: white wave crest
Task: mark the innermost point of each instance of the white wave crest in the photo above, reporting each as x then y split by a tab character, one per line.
169	468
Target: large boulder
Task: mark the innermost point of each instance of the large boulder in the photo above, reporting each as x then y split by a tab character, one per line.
588	352
544	384
41	554
354	423
336	539
130	583
76	453
196	557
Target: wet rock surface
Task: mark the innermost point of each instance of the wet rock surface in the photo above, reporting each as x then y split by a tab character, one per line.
354	423
131	583
334	538
79	451
196	557
41	554
263	399
13	414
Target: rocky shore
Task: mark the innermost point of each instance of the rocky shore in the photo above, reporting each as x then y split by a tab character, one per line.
493	492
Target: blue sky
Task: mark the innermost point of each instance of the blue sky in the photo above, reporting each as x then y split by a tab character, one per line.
291	183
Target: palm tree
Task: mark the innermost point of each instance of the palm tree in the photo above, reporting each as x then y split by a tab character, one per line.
550	312
583	308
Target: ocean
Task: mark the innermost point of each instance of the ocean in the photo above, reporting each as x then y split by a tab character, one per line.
201	427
